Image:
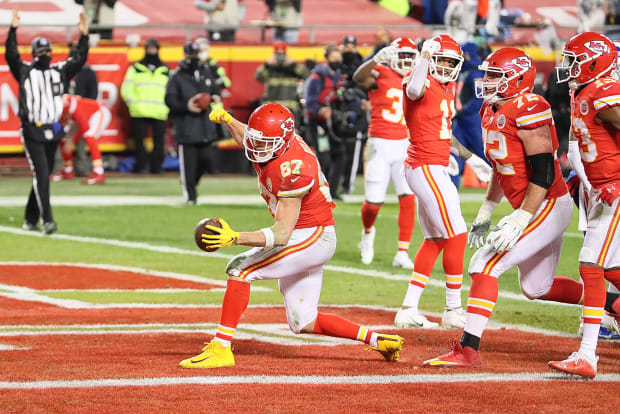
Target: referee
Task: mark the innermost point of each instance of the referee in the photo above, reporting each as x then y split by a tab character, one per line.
41	86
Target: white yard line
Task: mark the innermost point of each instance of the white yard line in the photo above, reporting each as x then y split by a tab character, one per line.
300	380
175	250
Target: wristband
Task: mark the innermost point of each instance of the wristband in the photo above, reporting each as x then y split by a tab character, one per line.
269	237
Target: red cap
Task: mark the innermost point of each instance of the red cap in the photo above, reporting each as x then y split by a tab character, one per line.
279	47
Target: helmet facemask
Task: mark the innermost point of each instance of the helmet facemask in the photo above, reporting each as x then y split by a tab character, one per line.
402	62
444	73
259	148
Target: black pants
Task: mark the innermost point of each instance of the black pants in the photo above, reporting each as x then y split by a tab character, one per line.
140	129
41	158
195	160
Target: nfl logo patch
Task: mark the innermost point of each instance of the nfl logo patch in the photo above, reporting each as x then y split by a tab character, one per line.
56	89
583	107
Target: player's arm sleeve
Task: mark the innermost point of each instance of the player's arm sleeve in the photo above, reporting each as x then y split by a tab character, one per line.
417	80
534	114
295	186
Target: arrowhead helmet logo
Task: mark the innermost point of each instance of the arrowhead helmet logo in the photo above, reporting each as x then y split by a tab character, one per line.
288	125
597	46
523	62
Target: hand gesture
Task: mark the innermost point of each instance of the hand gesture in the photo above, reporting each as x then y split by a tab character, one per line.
220	116
431	47
83	24
15	18
384	55
224	236
478	230
508	231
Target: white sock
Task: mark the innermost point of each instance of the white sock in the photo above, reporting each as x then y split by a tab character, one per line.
453	298
373	339
590	339
98	170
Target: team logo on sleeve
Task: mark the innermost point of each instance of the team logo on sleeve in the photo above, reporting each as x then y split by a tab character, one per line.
501	121
597	46
583	107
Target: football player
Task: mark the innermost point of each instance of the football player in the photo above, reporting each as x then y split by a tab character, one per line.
520	141
91	118
428	109
293	250
588	61
386	147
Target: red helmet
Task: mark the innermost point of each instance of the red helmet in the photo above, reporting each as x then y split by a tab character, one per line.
508	72
449	49
270	128
404	56
585	58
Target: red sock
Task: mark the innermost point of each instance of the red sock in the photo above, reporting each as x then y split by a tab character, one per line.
333	325
234	304
67	156
406	221
565	290
426	255
453	255
95	154
369	214
482	294
593	293
614	277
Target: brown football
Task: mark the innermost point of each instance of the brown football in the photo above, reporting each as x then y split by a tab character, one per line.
201	229
203	100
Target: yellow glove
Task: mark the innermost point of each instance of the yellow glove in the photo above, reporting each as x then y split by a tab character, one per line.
220	116
224	237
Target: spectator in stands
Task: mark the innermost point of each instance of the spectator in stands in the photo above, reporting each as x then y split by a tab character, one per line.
100	12
351	58
189	94
144	91
434	11
286	14
382	39
281	74
222	18
222	80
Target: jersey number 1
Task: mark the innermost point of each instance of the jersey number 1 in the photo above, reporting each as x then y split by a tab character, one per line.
447	109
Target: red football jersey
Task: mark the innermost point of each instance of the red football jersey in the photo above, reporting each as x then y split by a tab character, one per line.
504	148
429	121
599	144
80	109
386	115
294	172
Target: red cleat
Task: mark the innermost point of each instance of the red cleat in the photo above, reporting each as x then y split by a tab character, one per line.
576	364
94	179
459	357
61	176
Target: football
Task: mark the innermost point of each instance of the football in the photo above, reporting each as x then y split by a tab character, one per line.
203	100
201	229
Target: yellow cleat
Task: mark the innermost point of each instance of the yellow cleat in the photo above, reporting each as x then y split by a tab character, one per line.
388	346
214	355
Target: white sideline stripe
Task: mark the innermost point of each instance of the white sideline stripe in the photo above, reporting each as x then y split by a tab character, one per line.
121	200
175	250
5	347
138	270
162	290
299	380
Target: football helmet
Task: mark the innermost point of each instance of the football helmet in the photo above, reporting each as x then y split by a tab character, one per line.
270	127
585	58
508	72
404	55
450	49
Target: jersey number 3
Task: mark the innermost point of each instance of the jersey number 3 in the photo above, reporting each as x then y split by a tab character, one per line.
395	115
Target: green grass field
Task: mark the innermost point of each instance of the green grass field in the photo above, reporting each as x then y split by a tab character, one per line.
172	226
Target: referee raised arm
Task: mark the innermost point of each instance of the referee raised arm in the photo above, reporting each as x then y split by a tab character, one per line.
41	86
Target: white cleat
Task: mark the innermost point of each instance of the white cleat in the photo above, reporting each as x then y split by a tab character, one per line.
367	246
411	318
402	260
453	318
